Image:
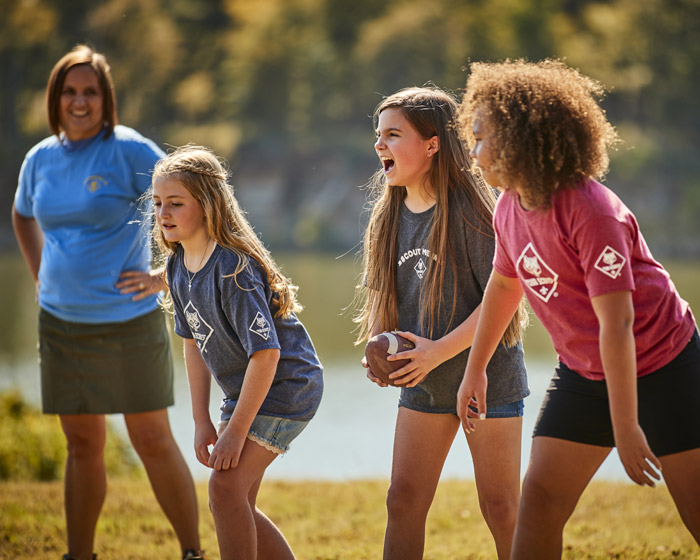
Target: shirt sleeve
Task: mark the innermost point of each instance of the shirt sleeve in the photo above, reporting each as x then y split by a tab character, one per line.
605	247
246	305
480	247
501	261
143	160
181	327
24	196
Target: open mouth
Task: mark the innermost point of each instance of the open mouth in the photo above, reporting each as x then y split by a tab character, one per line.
388	164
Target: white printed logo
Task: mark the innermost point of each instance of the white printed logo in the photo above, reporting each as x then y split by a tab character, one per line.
200	329
420	268
260	326
535	273
610	262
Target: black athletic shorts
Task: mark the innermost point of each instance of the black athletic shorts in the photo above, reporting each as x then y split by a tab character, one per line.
577	409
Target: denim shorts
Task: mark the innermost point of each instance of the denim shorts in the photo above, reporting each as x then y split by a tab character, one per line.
509	410
273	433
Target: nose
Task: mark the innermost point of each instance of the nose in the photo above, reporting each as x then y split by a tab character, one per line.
379	144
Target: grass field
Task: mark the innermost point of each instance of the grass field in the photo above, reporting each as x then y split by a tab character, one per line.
334	521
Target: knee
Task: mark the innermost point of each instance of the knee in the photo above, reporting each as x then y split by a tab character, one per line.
539	500
84	443
225	490
499	508
151	440
404	498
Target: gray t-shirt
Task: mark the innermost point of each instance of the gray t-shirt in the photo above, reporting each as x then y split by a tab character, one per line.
473	251
232	318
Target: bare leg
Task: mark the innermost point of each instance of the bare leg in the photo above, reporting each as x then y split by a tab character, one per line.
682	475
232	496
421	444
271	542
558	474
495	450
85	484
167	471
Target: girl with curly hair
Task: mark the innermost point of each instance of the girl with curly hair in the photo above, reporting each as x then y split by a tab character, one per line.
427	257
628	345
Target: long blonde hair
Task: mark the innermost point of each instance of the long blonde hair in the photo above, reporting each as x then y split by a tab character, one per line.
431	111
198	170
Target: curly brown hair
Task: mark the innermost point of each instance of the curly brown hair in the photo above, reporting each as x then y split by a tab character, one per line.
550	130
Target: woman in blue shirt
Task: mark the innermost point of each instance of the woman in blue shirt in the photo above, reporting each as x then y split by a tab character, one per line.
103	345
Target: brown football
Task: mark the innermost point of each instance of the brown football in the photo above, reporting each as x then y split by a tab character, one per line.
381	346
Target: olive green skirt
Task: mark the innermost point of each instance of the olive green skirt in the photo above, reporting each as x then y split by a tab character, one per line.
105	368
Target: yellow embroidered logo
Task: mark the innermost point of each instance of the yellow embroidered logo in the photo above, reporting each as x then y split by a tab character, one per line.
94	183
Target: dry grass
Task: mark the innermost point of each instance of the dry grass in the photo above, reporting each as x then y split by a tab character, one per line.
334	521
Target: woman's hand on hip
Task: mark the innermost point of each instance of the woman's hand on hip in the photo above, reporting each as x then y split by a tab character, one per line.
142	283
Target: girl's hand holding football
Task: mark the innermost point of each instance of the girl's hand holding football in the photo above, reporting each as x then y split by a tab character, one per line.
373	378
425	357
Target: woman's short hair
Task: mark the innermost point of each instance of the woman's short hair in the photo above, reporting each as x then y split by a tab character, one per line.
81	54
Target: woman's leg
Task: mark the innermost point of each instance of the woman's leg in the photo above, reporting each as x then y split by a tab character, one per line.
167	471
232	495
421	444
495	450
85	482
682	476
558	473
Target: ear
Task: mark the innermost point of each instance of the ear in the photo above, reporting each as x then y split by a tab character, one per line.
433	146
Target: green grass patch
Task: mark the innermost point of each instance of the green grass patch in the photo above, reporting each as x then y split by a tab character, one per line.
343	521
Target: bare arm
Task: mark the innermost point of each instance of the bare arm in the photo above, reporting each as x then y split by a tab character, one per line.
199	379
615	315
257	382
30	239
501	299
429	354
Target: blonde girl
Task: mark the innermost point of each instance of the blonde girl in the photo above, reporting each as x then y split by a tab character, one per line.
237	314
427	257
629	352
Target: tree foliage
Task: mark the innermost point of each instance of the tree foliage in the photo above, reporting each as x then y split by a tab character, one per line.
284	89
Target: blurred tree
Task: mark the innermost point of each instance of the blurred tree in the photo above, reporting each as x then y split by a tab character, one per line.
284	89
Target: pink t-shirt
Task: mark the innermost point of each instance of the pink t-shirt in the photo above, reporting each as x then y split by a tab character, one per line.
589	244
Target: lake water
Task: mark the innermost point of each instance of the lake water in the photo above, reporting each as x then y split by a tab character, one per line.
351	436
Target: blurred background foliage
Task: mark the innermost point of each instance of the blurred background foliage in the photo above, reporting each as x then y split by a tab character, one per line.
284	90
32	446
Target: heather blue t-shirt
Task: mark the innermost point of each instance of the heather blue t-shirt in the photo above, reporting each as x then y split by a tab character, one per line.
232	318
84	196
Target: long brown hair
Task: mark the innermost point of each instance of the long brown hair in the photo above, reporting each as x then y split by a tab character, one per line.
431	111
81	54
198	170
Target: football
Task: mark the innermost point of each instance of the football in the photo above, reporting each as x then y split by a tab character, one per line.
381	346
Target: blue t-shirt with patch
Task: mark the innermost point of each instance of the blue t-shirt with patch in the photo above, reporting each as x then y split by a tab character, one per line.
84	196
232	318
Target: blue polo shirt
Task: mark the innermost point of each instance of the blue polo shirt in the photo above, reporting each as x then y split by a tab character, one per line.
84	196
